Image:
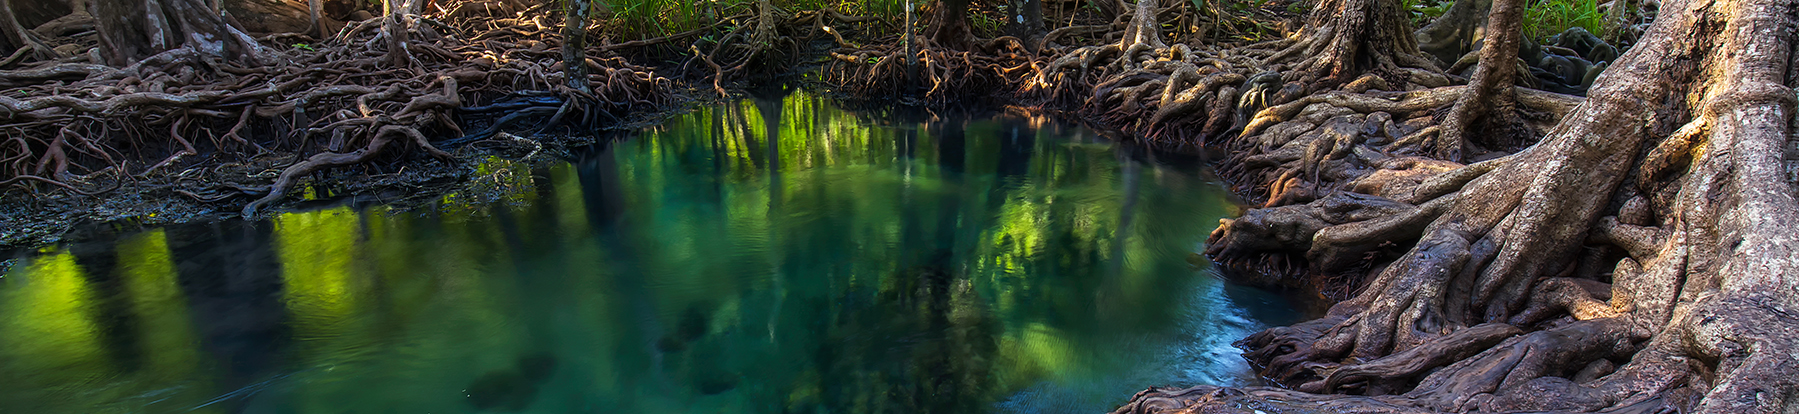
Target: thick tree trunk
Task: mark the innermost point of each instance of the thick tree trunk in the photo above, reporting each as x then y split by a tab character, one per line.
1681	161
13	35
130	30
949	25
1345	41
315	15
273	16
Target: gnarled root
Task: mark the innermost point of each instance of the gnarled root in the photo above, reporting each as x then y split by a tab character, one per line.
1342	228
1395	372
328	99
1508	373
317	162
1696	315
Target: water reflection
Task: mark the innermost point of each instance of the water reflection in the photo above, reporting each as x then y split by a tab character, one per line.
767	256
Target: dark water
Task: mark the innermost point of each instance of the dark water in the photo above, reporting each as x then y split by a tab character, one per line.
840	266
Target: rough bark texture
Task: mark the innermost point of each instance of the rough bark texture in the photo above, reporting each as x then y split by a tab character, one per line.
1489	98
1456	32
273	16
949	25
398	13
13	35
1345	40
135	29
574	45
1639	258
1024	18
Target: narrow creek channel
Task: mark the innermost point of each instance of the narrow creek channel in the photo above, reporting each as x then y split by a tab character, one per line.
852	263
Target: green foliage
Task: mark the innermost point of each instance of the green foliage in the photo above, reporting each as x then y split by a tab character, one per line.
642	19
882	7
985	23
1544	18
1424	11
652	18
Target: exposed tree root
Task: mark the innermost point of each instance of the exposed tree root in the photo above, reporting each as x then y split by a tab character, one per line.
1678	164
62	119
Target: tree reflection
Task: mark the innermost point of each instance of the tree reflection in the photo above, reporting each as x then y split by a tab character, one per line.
773	255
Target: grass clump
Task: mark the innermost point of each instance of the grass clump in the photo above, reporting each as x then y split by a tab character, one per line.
643	19
1545	18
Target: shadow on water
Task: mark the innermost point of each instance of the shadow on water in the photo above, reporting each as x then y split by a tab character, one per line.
776	255
511	389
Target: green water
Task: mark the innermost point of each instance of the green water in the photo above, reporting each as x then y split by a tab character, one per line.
849	263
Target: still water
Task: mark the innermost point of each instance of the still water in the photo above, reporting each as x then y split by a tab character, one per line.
762	257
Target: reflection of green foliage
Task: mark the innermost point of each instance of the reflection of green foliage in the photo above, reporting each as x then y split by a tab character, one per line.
317	251
53	346
833	264
148	270
47	326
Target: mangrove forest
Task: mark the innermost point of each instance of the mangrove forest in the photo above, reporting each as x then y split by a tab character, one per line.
899	206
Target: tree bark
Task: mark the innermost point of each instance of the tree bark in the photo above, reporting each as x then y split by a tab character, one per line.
398	11
1489	94
1453	34
274	16
1024	18
13	35
315	14
1144	31
130	30
1345	40
1681	159
949	25
574	44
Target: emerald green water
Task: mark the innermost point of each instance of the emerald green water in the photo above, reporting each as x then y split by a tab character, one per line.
841	265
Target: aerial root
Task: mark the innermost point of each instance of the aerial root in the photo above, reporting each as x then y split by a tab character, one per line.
342	94
383	136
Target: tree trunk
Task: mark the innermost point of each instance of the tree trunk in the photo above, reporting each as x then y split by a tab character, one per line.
398	11
1489	94
273	16
1452	35
1681	160
130	30
1345	40
949	25
1024	18
1144	31
574	44
13	35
